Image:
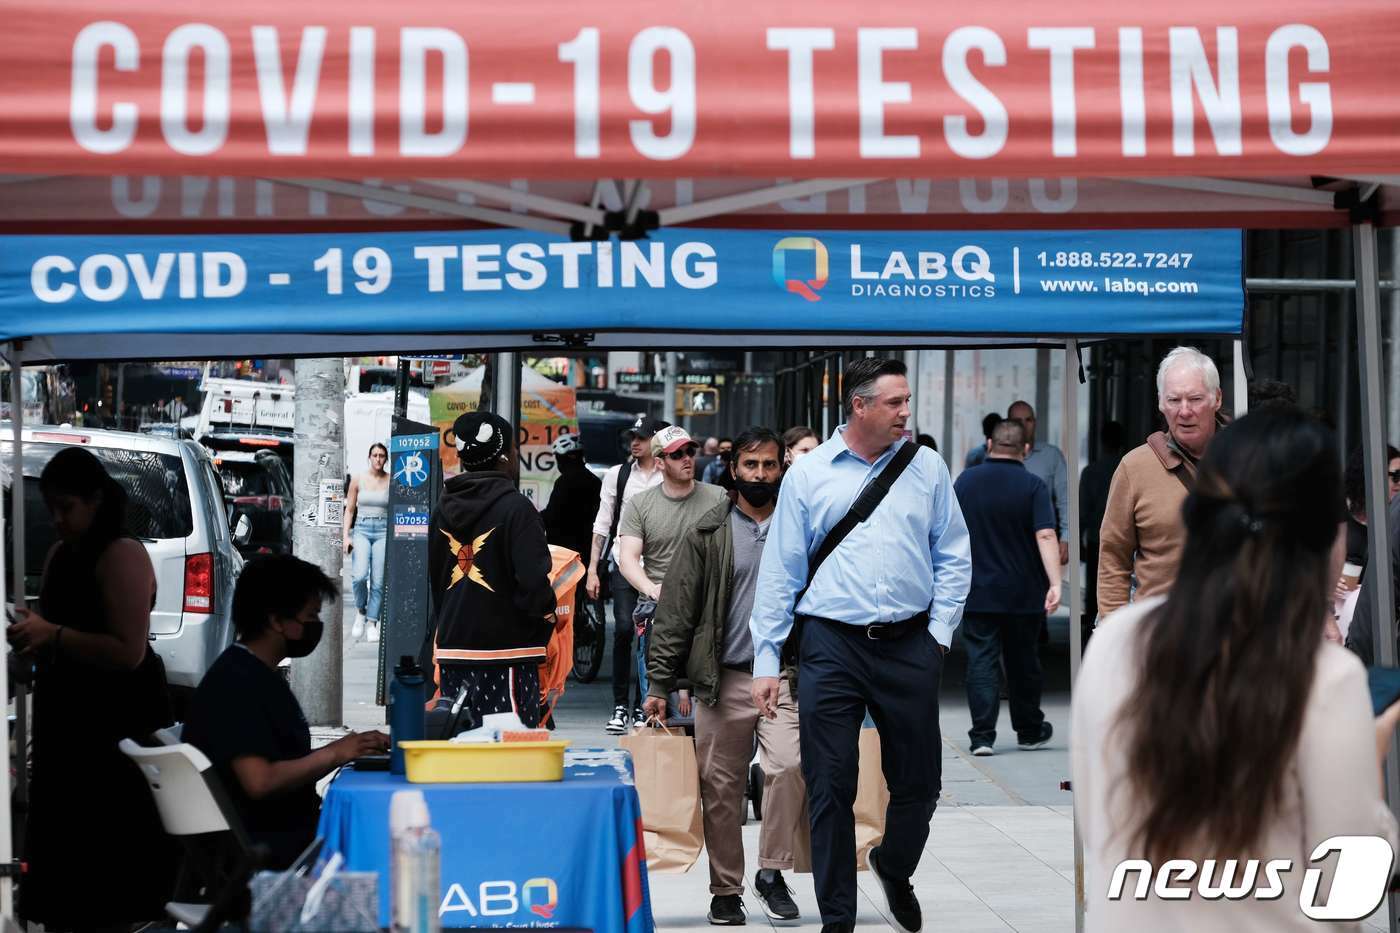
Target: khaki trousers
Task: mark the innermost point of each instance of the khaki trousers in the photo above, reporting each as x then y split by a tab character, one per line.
724	741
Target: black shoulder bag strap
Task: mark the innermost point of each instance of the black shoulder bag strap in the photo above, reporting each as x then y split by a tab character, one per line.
864	506
622	474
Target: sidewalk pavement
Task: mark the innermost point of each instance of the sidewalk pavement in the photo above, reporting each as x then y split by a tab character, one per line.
1000	856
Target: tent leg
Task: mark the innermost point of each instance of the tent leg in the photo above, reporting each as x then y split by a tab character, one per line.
1379	574
506	397
21	769
949	453
17	479
1070	441
1240	382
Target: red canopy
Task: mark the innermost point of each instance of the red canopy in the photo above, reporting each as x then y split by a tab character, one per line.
555	89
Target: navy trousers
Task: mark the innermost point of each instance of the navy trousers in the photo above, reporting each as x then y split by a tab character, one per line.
992	639
841	675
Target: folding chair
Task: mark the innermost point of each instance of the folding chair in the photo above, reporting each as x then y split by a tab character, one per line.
219	859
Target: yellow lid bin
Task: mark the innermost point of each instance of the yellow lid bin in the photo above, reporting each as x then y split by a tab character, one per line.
483	762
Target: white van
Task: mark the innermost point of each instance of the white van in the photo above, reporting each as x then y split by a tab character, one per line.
176	508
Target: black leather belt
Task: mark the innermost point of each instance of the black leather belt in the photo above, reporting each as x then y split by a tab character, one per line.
739	668
883	631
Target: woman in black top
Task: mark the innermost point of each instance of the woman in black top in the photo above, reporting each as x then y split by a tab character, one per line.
250	726
97	854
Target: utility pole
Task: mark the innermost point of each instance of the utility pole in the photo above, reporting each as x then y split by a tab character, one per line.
319	478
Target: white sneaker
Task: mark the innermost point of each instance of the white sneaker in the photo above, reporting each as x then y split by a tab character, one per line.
357	631
372	629
982	751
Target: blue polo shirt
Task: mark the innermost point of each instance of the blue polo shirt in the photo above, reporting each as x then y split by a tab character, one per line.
1004	505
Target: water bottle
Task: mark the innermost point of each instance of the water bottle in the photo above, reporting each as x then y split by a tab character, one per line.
414	866
407	699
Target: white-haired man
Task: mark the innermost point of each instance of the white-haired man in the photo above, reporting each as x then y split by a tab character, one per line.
1142	533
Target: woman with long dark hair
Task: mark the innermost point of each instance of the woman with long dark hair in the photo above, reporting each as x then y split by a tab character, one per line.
1215	722
97	855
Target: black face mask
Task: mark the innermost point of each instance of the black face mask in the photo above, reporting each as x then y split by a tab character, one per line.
310	638
757	494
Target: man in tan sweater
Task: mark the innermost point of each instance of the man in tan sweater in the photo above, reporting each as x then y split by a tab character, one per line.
1142	532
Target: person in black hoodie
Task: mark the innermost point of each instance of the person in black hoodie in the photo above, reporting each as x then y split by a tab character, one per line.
488	565
568	518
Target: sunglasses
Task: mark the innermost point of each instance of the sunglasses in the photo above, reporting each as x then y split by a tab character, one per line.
685	453
1394	476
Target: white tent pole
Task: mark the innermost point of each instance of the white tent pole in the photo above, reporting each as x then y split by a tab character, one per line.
594	200
535	202
18	569
1241	407
1248	189
437	205
684	213
1379	572
950	452
635	200
1070	440
7	904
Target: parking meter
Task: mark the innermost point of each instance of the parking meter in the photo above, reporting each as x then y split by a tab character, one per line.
415	482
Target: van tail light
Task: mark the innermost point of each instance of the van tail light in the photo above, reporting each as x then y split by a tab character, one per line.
260	502
199	582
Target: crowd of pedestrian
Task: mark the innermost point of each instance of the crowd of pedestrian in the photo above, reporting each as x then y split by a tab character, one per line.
782	590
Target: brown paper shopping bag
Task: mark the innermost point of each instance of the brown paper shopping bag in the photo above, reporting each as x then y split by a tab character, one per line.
668	784
872	798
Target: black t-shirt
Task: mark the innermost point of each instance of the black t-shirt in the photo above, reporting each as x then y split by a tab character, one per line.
243	707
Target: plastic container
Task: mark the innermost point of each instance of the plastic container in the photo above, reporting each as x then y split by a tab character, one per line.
415	872
407	709
483	762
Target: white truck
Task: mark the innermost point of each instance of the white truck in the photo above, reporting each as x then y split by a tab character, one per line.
369	419
245	407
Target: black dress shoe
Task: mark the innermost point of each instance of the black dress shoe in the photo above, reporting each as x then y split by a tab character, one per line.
838	927
899	895
727	910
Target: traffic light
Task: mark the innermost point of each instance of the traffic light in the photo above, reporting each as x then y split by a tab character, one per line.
697	400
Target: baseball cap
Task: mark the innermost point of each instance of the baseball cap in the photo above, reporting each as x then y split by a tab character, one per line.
645	427
670	439
566	444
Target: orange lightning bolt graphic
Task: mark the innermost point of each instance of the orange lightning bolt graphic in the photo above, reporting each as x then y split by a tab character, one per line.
466	560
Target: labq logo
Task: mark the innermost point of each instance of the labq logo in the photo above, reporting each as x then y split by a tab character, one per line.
541	895
821	265
503	899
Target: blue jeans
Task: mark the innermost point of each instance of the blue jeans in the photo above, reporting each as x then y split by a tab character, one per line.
369	537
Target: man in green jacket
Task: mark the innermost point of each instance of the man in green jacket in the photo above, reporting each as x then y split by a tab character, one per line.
701	630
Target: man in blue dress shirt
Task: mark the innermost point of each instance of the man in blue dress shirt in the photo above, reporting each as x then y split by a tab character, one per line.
876	623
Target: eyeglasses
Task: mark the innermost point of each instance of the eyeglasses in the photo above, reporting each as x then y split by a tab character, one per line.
685	453
1394	476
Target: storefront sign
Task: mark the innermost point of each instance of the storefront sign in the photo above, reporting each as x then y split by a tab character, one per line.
735	281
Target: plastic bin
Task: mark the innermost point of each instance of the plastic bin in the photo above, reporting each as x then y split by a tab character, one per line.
438	762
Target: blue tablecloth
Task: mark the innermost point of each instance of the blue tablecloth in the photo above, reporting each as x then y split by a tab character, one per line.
553	855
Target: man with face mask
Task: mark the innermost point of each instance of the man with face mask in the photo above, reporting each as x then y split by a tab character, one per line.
246	721
701	632
488	567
